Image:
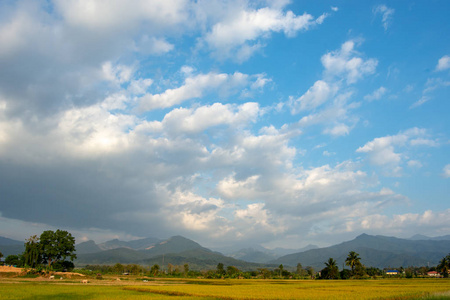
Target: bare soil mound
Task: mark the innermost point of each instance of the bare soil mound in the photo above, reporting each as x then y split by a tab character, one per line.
8	269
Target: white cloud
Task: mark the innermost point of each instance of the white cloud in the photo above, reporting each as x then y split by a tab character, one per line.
327	153
346	62
184	120
446	171
118	74
386	14
443	63
414	164
151	45
409	222
431	85
115	15
338	130
334	8
316	95
376	95
240	33
196	86
382	151
421	101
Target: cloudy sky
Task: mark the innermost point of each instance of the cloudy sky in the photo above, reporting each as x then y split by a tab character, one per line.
255	122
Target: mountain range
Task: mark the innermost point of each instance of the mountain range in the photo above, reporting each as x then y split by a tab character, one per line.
376	251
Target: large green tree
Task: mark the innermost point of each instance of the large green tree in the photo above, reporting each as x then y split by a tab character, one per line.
353	260
57	245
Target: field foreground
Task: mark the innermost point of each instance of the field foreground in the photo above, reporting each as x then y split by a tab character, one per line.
146	288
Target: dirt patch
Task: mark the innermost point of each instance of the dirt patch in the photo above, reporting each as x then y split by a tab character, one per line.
68	274
7	269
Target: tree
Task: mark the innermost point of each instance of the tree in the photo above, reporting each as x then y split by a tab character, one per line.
220	269
310	271
118	268
154	270
232	271
281	267
353	260
186	269
13	260
32	255
444	266
57	245
331	270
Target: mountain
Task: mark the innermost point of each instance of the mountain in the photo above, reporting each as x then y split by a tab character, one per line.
175	244
140	244
376	251
203	259
91	253
420	237
252	255
260	254
9	242
11	247
87	247
111	257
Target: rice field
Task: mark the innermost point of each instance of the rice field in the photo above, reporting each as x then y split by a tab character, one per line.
230	289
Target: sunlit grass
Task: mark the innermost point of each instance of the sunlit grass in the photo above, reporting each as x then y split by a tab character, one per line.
260	289
233	289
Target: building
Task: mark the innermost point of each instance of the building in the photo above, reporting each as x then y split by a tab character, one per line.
433	274
392	272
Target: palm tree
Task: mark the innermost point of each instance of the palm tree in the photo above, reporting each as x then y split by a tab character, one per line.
444	266
331	270
352	260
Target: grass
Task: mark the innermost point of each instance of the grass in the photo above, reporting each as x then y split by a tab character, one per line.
229	289
350	289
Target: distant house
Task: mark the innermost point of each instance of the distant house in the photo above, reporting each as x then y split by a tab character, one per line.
433	274
392	272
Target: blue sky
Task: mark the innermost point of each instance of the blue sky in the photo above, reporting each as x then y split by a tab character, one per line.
254	122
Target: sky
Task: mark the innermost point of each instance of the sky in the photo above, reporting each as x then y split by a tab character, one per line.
228	122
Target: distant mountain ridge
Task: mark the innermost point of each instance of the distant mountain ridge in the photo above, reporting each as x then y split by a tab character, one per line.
260	254
10	246
376	251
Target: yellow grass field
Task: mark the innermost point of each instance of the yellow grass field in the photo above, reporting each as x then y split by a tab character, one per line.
136	288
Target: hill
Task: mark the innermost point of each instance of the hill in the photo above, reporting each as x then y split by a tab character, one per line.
376	251
203	259
87	247
111	257
11	247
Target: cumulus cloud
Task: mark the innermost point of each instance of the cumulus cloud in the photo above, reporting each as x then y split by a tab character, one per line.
376	95
75	150
347	63
446	171
443	63
316	95
386	14
239	35
195	87
427	221
382	151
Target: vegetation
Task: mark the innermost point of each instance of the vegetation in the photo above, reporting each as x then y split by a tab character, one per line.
331	271
50	249
444	266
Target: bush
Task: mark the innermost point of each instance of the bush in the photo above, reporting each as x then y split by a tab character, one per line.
63	266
